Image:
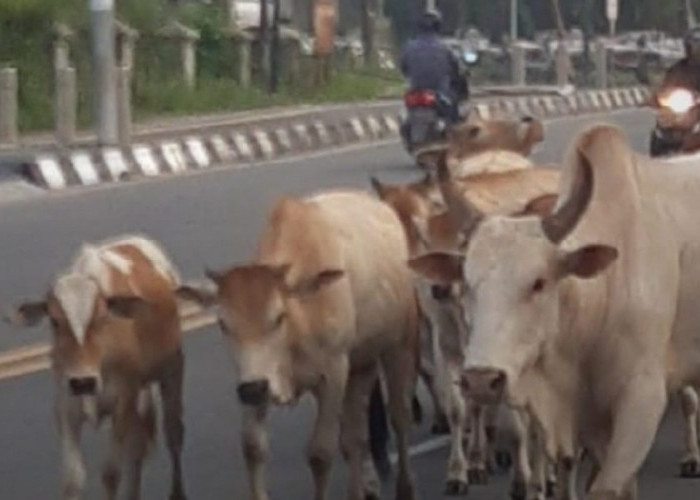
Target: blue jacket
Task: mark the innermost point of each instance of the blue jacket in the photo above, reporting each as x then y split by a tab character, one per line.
429	64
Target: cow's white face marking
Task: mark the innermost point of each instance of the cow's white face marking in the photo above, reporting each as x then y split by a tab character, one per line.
77	295
512	298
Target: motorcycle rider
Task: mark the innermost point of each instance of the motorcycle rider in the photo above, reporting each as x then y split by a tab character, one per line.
686	72
429	64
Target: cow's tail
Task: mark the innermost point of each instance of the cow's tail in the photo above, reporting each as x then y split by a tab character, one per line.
379	432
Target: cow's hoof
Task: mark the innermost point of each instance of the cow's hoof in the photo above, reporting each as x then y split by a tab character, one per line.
518	491
478	476
690	469
178	496
440	426
504	460
372	495
456	487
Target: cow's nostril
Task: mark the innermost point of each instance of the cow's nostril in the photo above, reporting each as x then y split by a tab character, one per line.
254	393
499	382
528	119
440	292
83	386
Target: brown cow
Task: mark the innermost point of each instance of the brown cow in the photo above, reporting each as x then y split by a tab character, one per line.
478	136
116	334
507	142
327	299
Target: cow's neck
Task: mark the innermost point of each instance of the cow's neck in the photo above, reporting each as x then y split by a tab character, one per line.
552	388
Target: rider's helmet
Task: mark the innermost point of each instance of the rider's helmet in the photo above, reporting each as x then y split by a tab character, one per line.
430	21
691	43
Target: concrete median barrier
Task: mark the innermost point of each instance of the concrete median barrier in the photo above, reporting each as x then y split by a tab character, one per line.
242	144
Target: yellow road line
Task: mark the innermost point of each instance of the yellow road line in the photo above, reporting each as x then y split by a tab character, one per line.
35	358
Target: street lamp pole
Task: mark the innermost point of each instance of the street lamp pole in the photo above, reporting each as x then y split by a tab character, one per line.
513	20
104	71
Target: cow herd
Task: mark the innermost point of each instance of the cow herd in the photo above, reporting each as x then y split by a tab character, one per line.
550	313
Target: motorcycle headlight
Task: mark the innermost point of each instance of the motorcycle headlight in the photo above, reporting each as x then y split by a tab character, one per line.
679	101
470	57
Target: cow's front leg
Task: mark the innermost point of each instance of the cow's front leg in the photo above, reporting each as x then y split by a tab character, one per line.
477	447
518	424
354	435
457	482
70	421
690	464
255	449
636	422
141	432
324	438
565	487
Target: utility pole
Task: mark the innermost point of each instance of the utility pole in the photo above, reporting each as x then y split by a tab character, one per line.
431	4
275	49
265	40
104	71
367	28
513	20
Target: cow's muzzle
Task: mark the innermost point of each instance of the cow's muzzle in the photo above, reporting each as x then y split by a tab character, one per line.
254	393
484	384
83	386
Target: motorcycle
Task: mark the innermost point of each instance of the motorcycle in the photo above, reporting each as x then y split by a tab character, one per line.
677	122
426	118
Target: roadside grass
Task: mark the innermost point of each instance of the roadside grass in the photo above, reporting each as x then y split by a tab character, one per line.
173	98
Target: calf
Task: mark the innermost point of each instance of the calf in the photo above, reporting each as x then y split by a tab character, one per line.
116	335
327	301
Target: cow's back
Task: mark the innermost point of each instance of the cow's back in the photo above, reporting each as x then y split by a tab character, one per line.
351	231
375	253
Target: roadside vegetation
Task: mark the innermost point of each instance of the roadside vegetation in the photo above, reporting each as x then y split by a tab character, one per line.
26	43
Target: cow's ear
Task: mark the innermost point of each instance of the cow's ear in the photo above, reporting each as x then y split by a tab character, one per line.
126	306
27	314
542	206
438	267
203	295
315	283
379	188
587	262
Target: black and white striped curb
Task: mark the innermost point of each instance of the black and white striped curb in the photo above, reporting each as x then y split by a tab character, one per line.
244	145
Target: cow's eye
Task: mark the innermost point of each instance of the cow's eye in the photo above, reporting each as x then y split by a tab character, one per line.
539	285
279	320
223	327
54	323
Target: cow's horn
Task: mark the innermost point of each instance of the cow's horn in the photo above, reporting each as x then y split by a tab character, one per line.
559	224
465	215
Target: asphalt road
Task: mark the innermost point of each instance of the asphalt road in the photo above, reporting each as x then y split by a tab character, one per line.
213	219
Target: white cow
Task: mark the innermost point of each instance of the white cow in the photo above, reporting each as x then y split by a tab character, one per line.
500	182
588	316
